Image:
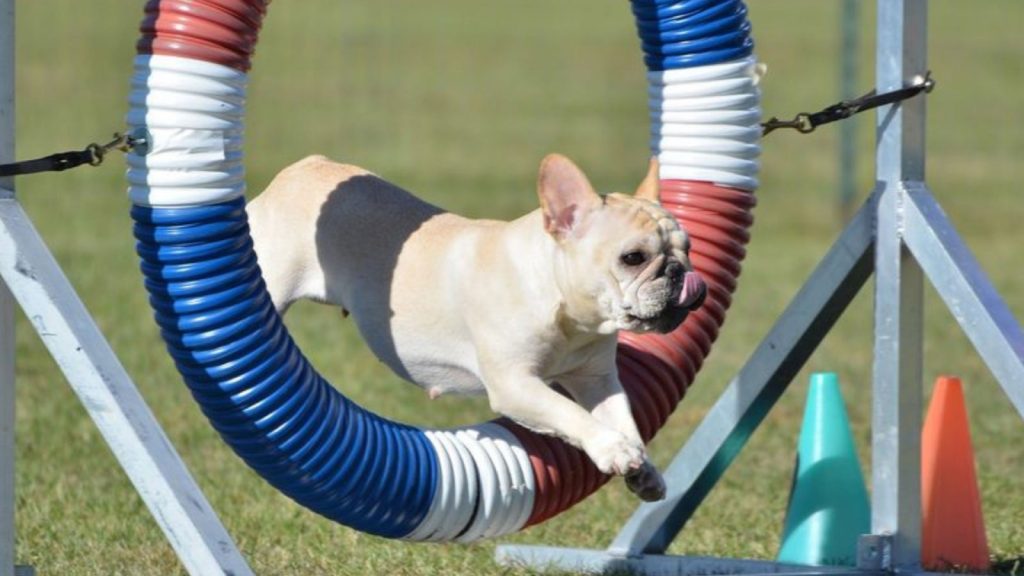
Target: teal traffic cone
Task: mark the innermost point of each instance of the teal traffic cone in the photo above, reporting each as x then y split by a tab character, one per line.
828	504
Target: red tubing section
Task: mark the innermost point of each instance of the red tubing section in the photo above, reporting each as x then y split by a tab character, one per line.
678	36
219	31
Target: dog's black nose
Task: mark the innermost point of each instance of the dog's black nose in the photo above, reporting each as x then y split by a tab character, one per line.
674	271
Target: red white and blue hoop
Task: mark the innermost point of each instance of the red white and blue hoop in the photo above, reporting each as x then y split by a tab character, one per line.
264	398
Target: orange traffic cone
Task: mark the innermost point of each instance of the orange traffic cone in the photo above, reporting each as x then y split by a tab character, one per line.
953	531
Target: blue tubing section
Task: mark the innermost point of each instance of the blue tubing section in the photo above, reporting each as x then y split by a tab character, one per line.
688	33
257	389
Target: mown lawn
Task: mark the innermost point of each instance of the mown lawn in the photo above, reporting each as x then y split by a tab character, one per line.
458	100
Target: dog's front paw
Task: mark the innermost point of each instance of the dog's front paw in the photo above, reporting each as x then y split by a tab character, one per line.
646	482
613	453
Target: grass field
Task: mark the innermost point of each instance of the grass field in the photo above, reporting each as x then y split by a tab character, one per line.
458	100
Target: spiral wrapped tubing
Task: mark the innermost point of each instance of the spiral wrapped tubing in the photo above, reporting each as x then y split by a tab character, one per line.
261	394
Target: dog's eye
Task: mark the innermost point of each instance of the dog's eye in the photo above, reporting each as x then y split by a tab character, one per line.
634	258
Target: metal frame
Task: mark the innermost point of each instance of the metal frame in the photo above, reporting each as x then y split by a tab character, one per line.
902	235
33	277
7	567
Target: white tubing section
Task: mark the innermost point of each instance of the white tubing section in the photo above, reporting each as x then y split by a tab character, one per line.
705	122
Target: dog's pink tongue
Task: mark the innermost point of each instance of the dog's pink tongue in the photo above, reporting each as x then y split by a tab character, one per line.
693	289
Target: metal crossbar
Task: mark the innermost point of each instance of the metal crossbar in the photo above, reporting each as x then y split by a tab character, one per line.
902	236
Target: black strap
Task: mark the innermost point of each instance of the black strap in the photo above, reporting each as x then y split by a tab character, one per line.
52	163
805	122
92	155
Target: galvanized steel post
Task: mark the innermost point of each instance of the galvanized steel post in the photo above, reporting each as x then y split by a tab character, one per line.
6	300
899	288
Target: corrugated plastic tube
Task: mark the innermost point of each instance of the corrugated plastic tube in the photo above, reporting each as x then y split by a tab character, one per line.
265	399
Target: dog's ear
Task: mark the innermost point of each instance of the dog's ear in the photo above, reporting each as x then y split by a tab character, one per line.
648	189
565	194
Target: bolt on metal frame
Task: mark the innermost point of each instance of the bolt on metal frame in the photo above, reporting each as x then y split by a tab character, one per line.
902	235
32	277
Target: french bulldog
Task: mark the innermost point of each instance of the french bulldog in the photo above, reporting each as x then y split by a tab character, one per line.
509	309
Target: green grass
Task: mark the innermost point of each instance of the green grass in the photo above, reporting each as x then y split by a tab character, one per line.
458	100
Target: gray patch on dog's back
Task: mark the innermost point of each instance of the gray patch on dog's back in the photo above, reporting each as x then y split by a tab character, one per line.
368	205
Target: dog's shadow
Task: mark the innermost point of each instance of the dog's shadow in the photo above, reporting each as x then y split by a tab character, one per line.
359	237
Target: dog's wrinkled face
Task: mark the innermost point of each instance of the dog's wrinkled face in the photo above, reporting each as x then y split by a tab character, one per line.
654	286
625	258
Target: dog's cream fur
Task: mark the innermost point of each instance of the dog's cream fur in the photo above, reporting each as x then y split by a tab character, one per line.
470	306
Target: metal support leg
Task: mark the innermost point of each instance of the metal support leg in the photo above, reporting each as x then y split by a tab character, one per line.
113	402
897	402
6	300
6	432
967	292
899	291
603	562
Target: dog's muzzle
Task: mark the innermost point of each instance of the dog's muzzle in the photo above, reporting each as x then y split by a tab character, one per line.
688	293
692	289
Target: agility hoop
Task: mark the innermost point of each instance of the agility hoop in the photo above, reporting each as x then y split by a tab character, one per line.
259	391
